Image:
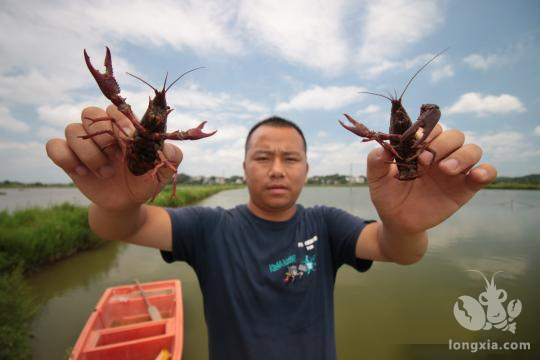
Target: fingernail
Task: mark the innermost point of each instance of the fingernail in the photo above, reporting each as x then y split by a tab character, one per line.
106	171
127	130
450	164
81	170
481	173
426	158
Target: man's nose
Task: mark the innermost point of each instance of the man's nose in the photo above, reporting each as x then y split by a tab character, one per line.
277	169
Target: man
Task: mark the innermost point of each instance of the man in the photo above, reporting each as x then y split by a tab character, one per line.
267	269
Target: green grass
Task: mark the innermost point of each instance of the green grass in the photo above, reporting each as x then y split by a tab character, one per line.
37	236
17	308
187	195
513	186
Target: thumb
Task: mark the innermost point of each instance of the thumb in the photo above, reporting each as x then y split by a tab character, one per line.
378	164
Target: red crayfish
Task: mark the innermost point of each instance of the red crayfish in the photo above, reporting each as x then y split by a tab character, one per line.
403	144
143	150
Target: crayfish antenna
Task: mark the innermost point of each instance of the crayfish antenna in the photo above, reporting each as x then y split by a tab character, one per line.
178	78
165	82
371	93
138	78
418	72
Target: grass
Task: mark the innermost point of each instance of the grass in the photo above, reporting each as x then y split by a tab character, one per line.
190	194
17	308
35	237
513	186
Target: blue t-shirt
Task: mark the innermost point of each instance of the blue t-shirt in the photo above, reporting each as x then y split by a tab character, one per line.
267	286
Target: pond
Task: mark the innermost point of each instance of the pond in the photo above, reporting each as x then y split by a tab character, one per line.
389	312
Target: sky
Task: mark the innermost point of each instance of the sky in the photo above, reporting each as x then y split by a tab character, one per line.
303	60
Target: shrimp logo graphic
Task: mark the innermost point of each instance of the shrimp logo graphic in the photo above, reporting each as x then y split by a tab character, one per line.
470	314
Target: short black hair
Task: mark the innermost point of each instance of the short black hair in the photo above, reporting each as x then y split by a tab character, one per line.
276	121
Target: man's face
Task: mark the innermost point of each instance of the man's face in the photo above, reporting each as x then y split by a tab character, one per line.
275	168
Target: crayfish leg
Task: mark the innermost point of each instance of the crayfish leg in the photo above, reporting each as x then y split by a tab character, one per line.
107	118
164	162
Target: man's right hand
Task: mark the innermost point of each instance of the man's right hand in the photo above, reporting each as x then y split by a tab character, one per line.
98	168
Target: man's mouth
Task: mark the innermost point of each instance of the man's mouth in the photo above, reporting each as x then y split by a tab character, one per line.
277	188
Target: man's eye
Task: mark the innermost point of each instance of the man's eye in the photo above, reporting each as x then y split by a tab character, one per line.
292	159
261	158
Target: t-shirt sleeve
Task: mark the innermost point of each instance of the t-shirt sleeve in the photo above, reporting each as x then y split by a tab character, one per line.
190	228
343	232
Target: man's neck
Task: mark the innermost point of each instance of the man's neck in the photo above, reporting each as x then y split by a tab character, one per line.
272	215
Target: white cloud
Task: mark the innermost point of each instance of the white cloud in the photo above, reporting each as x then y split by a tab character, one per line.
326	98
442	72
370	109
480	62
44	61
441	69
486	104
62	115
335	157
9	123
507	146
390	26
300	31
536	131
175	27
29	164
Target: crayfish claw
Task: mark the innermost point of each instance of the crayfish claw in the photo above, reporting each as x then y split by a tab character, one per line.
191	134
197	133
358	128
108	62
106	81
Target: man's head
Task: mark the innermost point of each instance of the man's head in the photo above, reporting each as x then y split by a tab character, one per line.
275	121
275	166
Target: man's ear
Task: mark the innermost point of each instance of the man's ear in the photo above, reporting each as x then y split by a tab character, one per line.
307	171
244	167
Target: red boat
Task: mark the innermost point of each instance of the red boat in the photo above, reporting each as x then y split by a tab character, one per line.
124	325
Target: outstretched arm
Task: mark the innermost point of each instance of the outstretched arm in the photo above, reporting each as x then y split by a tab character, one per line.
407	209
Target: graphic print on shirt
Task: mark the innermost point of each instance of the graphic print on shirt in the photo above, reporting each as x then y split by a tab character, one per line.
309	244
296	266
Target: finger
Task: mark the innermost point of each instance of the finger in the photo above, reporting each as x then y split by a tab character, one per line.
87	151
461	160
443	144
120	120
96	120
175	156
437	130
480	176
378	164
60	153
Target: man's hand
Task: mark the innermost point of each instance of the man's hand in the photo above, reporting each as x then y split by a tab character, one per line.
411	207
98	169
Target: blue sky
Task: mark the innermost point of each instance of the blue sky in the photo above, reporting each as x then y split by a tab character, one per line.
304	60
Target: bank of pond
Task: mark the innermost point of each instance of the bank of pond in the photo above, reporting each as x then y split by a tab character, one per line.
37	237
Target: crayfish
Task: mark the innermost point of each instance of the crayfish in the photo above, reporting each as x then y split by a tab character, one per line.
401	140
143	150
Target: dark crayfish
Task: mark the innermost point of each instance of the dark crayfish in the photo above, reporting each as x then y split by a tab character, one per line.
143	150
402	141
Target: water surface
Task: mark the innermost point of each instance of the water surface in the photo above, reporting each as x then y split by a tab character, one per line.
389	312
